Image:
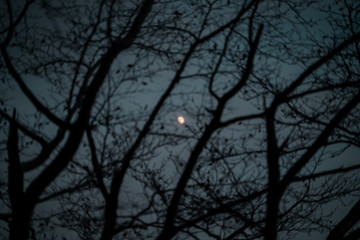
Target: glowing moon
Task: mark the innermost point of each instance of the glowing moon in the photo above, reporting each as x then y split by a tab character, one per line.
181	119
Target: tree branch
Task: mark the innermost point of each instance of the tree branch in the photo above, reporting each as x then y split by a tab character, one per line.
15	172
282	97
28	92
340	230
97	167
168	230
319	142
326	173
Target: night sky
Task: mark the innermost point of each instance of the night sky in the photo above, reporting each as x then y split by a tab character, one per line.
188	49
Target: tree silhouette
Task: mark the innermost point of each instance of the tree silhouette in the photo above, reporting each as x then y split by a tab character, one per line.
269	91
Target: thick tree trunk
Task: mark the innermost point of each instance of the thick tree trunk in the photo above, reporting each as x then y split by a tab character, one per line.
19	225
271	215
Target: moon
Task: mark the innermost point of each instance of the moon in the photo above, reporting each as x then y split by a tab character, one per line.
181	120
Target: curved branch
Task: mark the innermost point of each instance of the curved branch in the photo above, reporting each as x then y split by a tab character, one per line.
13	24
25	130
29	94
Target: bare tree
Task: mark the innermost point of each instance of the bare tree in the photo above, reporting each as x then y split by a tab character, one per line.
269	95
